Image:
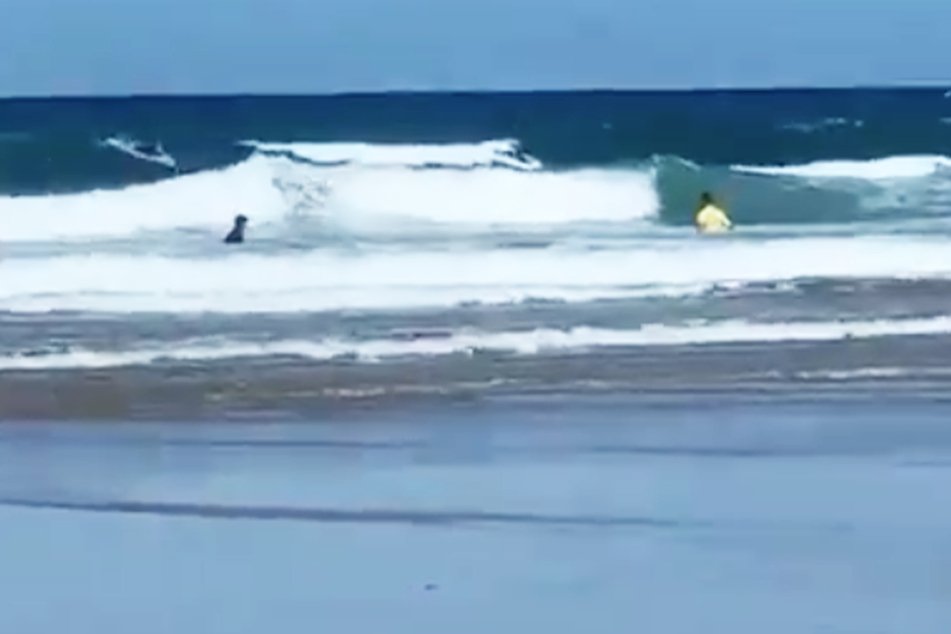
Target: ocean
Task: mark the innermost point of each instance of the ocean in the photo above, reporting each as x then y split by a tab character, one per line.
446	246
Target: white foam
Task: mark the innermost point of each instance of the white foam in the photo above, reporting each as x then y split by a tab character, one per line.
524	343
134	149
870	373
326	280
205	199
822	124
894	167
501	152
494	197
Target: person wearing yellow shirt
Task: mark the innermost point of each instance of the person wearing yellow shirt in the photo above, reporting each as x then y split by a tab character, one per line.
710	218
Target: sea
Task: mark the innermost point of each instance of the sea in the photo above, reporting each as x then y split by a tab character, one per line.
473	370
436	245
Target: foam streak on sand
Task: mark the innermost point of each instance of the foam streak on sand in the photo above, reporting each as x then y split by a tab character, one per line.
539	341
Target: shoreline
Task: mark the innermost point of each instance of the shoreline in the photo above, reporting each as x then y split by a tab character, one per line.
283	388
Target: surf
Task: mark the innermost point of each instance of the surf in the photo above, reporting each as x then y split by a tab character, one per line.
375	190
233	281
862	194
360	189
152	153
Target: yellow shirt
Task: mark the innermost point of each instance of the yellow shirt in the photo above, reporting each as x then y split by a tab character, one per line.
712	219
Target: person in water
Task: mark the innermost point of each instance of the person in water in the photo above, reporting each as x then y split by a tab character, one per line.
710	217
236	235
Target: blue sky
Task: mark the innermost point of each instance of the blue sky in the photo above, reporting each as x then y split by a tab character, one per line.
153	46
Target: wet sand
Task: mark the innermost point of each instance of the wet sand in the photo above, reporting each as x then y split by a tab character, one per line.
575	515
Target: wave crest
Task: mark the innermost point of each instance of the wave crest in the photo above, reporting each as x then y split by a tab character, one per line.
374	188
361	189
495	153
899	188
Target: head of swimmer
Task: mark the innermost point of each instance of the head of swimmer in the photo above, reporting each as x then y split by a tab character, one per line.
236	235
706	198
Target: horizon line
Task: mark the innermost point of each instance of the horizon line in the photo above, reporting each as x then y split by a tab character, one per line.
909	86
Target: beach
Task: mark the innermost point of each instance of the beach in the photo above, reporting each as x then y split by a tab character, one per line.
472	368
563	514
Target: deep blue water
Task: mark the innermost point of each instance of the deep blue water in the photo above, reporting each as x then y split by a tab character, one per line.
51	144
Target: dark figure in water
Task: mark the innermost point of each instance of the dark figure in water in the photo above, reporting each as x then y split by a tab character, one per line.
236	235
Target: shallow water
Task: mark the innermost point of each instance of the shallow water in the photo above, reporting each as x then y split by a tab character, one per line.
593	515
